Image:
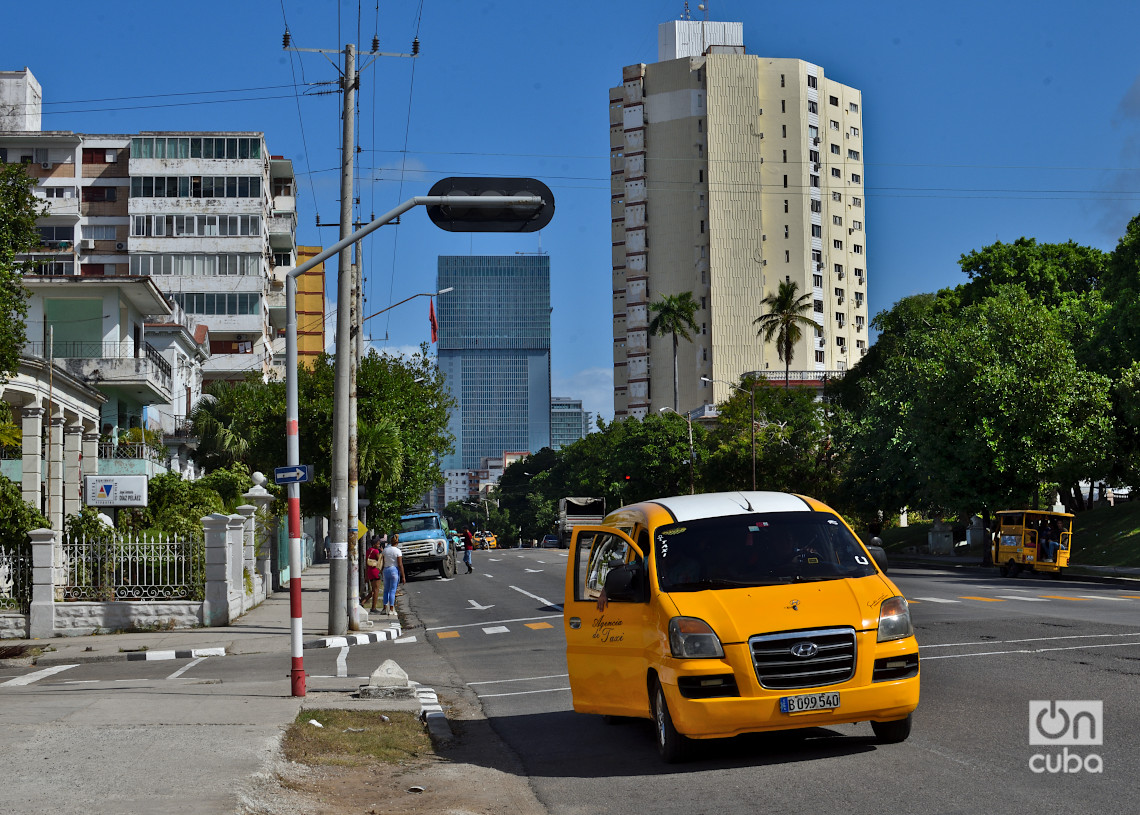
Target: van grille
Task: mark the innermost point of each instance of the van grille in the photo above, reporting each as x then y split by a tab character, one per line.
418	548
778	667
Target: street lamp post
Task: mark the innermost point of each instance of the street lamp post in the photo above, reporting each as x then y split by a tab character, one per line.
689	420
752	405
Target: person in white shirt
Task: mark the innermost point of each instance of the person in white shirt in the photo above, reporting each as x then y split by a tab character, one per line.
393	571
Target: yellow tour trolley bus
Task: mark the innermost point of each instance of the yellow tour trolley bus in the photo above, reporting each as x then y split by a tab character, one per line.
1035	540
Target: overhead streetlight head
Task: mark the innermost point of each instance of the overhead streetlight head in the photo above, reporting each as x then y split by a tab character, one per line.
445	291
705	379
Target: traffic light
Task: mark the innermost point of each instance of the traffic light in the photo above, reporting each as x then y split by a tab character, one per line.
517	218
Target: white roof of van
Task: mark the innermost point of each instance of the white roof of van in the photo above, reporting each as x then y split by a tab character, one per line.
716	504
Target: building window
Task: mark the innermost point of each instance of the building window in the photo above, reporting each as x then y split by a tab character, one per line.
854	107
860	320
785	182
59	192
98	232
54	234
816	206
858	298
811	81
812	107
833	100
783	106
787	256
784	131
813	156
702	227
701	176
836	244
834	125
282	259
835	173
814	179
785	205
837	220
703	304
856	224
841	341
839	272
859	274
786	233
819	356
781	80
855	132
853	154
857	248
213	303
840	318
813	133
856	201
700	125
816	231
835	149
856	178
785	156
816	256
817	281
98	194
860	344
817	306
837	196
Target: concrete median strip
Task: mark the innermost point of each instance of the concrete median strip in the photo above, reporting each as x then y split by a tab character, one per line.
193	653
356	639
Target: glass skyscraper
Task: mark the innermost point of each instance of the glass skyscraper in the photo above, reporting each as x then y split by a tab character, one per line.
494	352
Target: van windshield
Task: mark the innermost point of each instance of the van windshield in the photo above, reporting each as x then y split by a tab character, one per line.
761	549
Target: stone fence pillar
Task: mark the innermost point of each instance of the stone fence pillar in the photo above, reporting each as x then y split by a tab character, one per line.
216	605
41	616
265	530
235	538
249	521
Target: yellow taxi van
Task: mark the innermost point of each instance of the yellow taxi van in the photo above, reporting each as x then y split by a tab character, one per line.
729	613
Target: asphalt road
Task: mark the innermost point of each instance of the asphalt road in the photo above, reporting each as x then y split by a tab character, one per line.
493	640
989	646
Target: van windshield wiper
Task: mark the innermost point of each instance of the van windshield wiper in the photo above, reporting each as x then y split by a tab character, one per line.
720	583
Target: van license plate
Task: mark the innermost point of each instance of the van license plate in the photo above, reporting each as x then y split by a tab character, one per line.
809	702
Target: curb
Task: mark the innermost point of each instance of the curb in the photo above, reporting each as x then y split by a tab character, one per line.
1088	574
355	639
57	658
193	653
432	715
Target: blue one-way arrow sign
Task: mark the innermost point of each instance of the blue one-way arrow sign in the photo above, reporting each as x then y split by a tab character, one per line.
293	475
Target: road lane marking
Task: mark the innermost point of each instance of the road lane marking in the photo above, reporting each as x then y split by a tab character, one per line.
523	679
537	626
539	599
983	599
497	629
185	668
1100	597
412	638
1022	597
1034	650
520	693
1065	597
935	600
28	679
1029	639
485	622
447	635
476	607
534	571
342	662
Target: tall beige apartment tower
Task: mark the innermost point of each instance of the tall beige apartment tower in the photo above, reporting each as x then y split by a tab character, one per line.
731	174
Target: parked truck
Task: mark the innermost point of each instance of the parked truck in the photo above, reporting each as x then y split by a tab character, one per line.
574	512
427	543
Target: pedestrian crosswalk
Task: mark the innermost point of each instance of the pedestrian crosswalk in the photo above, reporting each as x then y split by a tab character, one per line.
478	629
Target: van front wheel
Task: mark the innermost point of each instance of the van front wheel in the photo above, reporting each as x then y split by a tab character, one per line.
672	746
892	732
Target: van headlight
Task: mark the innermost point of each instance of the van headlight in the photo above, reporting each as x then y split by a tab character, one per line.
439	547
692	638
894	620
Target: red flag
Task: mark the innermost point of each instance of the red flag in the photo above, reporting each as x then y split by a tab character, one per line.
433	321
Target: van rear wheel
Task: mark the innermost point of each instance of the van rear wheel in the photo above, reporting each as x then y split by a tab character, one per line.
892	732
671	745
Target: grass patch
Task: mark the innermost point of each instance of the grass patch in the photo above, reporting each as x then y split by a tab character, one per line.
352	738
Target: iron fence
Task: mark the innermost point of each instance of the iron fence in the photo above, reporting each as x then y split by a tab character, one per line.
132	568
15	580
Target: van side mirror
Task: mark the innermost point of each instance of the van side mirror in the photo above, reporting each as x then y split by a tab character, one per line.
880	556
626	583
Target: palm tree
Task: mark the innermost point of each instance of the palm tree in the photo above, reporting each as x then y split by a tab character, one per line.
674	316
783	320
218	421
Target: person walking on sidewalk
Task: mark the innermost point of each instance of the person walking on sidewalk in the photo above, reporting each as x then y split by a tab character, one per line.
372	572
468	547
393	560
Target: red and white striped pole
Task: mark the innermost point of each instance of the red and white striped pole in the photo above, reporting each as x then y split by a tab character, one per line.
293	459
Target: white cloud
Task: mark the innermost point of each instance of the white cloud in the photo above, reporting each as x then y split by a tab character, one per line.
594	386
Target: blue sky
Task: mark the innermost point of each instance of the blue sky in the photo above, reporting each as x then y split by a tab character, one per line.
982	121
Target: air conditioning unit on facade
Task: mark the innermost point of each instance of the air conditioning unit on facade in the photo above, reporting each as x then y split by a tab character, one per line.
87	243
120	246
46	165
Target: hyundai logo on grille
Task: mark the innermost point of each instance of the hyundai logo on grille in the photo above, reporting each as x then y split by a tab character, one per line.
805	649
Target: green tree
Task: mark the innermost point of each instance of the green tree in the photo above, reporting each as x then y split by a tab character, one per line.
224	420
785	320
19	209
674	316
17	518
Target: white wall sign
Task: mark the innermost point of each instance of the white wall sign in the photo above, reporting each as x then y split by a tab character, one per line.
116	491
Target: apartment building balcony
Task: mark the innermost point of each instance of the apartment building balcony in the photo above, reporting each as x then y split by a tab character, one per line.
234	366
278	313
145	375
282	228
131	458
61	206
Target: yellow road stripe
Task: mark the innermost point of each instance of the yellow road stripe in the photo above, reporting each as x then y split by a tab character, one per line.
447	635
1064	597
536	626
983	599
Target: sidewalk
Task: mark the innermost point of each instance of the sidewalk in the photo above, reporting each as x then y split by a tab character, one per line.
1074	572
264	629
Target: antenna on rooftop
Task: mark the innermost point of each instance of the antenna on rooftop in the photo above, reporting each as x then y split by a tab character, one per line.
685	15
